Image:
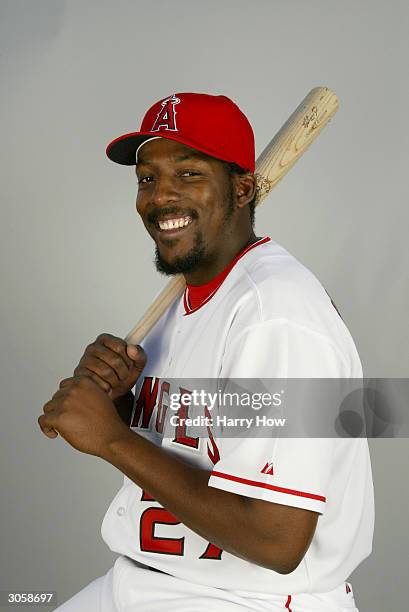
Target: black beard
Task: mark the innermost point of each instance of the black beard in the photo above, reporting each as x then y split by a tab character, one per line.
183	265
197	257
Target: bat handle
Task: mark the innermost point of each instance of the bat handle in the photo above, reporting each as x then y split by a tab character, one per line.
173	290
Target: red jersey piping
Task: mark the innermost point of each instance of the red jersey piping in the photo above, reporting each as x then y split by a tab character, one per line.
254	483
188	309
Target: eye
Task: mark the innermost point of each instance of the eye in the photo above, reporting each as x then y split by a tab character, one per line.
188	173
145	179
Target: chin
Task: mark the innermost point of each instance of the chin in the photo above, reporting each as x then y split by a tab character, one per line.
180	264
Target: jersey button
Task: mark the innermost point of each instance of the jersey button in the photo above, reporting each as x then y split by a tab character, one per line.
120	511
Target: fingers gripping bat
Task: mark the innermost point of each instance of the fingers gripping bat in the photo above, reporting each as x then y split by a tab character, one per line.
287	146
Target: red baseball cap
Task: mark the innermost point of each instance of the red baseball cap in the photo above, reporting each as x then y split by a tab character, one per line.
211	124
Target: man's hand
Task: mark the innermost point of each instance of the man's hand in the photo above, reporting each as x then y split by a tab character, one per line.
83	414
112	364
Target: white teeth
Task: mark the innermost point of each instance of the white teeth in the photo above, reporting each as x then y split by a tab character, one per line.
174	223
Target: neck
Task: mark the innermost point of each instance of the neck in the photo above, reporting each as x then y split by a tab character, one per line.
221	260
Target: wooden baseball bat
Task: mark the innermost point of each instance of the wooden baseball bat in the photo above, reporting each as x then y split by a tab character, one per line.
290	142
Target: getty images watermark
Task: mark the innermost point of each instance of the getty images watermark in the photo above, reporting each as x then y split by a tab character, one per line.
290	407
221	400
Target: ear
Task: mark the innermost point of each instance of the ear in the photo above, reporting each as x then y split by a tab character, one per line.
245	188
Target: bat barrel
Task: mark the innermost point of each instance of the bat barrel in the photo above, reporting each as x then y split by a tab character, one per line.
294	138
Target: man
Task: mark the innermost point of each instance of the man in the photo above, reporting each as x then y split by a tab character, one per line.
216	523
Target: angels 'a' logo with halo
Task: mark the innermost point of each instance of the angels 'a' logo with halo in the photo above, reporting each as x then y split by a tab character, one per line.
166	117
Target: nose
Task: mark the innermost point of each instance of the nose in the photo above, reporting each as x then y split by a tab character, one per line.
164	191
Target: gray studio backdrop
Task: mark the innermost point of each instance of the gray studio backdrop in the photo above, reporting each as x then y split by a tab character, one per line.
76	260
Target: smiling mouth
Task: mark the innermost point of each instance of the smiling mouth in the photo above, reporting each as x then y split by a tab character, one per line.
173	225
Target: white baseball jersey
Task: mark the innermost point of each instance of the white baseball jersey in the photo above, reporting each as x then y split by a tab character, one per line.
270	317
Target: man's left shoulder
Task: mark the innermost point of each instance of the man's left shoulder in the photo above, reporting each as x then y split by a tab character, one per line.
284	287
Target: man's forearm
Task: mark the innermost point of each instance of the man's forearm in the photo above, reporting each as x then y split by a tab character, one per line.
224	519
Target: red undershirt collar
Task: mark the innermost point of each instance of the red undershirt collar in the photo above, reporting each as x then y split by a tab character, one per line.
196	296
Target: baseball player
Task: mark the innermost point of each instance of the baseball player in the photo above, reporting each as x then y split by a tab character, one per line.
213	522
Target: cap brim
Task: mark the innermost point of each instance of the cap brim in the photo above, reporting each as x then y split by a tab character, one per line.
122	150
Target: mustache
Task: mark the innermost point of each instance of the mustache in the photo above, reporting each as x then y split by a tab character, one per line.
155	215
